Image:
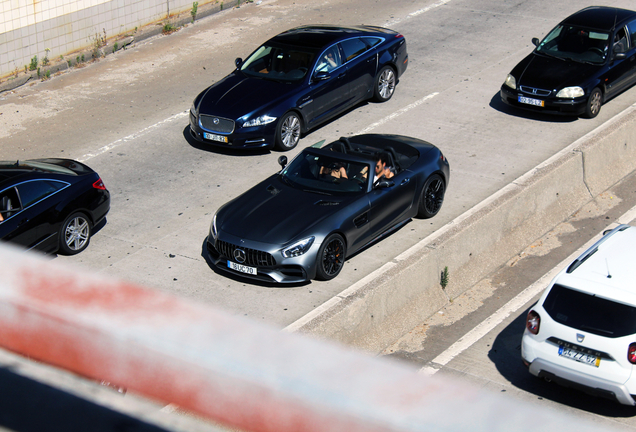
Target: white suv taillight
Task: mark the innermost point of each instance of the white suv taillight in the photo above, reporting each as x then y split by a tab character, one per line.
631	353
533	321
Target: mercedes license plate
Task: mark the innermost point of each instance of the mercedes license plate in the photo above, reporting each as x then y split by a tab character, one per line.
530	101
578	356
241	268
213	137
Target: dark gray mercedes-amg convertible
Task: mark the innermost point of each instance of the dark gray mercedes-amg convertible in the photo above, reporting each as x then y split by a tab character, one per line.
325	205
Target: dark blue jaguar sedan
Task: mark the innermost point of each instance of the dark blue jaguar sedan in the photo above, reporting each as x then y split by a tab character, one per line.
296	81
587	59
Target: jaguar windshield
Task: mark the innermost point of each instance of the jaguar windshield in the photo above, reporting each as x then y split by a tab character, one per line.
326	174
576	43
280	63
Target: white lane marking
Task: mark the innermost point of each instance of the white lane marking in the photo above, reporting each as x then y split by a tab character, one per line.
513	305
136	135
397	113
418	12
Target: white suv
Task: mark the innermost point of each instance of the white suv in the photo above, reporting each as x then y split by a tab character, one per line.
582	331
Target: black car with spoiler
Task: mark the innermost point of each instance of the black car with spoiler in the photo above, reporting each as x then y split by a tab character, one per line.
50	204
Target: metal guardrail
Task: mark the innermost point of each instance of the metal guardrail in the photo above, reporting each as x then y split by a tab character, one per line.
230	369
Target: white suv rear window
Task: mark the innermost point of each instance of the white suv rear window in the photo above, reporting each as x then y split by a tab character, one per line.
590	313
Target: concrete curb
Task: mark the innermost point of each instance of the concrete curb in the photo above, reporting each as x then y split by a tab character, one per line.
388	303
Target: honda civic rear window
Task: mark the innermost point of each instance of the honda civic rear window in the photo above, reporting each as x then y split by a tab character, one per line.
590	313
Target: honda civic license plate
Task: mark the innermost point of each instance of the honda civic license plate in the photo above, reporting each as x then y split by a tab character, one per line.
530	101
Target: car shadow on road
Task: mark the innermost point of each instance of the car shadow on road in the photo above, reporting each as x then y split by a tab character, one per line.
244	280
505	354
497	104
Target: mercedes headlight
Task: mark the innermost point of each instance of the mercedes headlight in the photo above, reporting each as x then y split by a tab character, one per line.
298	248
213	229
259	121
570	92
511	82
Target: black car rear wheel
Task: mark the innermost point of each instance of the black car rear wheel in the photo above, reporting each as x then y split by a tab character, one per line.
288	132
75	234
385	84
594	103
432	197
331	257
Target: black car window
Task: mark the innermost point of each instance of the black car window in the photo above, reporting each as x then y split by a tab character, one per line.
631	27
33	191
590	313
329	60
576	44
281	63
372	41
620	41
9	203
353	48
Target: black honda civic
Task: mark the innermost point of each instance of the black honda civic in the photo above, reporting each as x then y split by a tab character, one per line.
296	81
587	59
50	204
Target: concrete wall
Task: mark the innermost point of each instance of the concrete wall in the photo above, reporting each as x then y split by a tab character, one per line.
390	302
29	27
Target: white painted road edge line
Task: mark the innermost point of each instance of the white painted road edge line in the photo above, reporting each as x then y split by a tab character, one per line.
136	135
418	12
397	113
515	304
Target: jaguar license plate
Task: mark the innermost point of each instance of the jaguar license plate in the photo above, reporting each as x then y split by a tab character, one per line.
242	268
530	101
578	356
214	137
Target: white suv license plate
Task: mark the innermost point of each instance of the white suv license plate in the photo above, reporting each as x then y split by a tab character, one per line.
213	137
579	356
530	101
242	268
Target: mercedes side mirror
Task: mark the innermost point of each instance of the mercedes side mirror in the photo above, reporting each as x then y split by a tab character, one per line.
282	161
322	76
382	184
238	62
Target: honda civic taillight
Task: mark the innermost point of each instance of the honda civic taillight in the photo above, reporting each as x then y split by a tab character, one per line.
631	353
99	184
533	321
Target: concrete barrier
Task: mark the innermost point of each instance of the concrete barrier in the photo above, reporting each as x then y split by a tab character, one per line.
385	305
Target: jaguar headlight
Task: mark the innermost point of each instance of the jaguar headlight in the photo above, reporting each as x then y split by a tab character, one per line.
511	82
193	110
298	248
570	92
259	121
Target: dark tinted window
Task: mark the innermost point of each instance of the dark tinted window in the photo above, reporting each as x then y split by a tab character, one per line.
632	31
353	48
33	191
590	313
372	41
9	203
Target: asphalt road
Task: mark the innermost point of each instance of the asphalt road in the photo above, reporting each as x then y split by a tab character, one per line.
126	116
